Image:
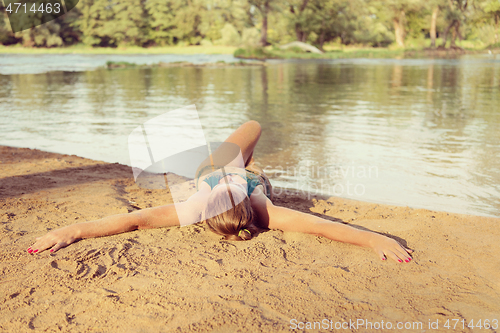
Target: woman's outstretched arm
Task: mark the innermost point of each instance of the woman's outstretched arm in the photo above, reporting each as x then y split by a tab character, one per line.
276	217
162	216
110	225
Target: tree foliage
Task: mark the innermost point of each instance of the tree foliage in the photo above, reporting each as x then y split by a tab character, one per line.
111	23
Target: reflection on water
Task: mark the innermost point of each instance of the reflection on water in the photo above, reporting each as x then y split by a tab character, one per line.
422	133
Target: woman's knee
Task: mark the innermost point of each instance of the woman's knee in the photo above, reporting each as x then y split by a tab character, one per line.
255	126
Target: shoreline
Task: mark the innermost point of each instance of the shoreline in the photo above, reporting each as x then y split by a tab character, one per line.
345	52
117	61
186	279
355	53
304	194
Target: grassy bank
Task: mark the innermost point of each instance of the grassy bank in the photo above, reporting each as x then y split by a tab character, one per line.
294	53
333	51
339	52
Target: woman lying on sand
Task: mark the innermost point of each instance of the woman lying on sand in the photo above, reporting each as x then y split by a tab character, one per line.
234	201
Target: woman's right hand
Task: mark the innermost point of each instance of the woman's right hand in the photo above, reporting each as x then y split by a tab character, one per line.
387	247
55	239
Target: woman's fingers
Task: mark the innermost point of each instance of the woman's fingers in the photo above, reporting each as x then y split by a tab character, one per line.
406	253
33	248
54	240
403	256
36	248
58	246
389	248
42	244
405	249
395	254
399	255
402	252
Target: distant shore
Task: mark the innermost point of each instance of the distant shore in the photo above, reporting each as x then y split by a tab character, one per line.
346	53
331	52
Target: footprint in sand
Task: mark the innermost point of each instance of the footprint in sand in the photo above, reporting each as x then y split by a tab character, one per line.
65	265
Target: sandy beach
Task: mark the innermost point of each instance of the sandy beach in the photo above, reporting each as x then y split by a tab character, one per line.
184	279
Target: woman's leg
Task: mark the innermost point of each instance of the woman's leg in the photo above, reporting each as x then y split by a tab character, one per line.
246	137
236	151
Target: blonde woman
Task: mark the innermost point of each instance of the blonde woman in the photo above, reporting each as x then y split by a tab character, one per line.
235	200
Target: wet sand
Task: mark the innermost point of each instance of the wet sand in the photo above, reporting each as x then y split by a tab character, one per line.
184	279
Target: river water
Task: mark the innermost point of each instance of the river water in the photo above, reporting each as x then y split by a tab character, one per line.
411	132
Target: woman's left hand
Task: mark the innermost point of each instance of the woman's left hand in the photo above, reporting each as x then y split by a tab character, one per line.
387	247
55	239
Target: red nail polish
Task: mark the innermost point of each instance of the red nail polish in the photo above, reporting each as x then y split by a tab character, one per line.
30	251
406	260
383	258
400	260
35	251
51	250
29	248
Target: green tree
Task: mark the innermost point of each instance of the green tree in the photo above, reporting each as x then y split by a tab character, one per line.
300	18
433	32
318	21
354	21
373	24
264	7
333	19
229	36
45	35
174	21
54	33
108	23
455	16
279	31
492	10
217	14
400	10
187	20
6	35
161	20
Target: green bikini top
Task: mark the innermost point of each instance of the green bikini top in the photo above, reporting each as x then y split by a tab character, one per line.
252	180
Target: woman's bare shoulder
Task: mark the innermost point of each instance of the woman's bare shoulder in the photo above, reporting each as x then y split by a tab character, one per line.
258	196
261	205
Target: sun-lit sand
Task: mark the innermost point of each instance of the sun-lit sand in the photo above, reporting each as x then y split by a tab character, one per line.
184	279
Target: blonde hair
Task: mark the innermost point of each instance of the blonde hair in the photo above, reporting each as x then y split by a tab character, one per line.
236	223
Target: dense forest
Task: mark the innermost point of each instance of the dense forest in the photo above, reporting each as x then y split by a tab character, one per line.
146	23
